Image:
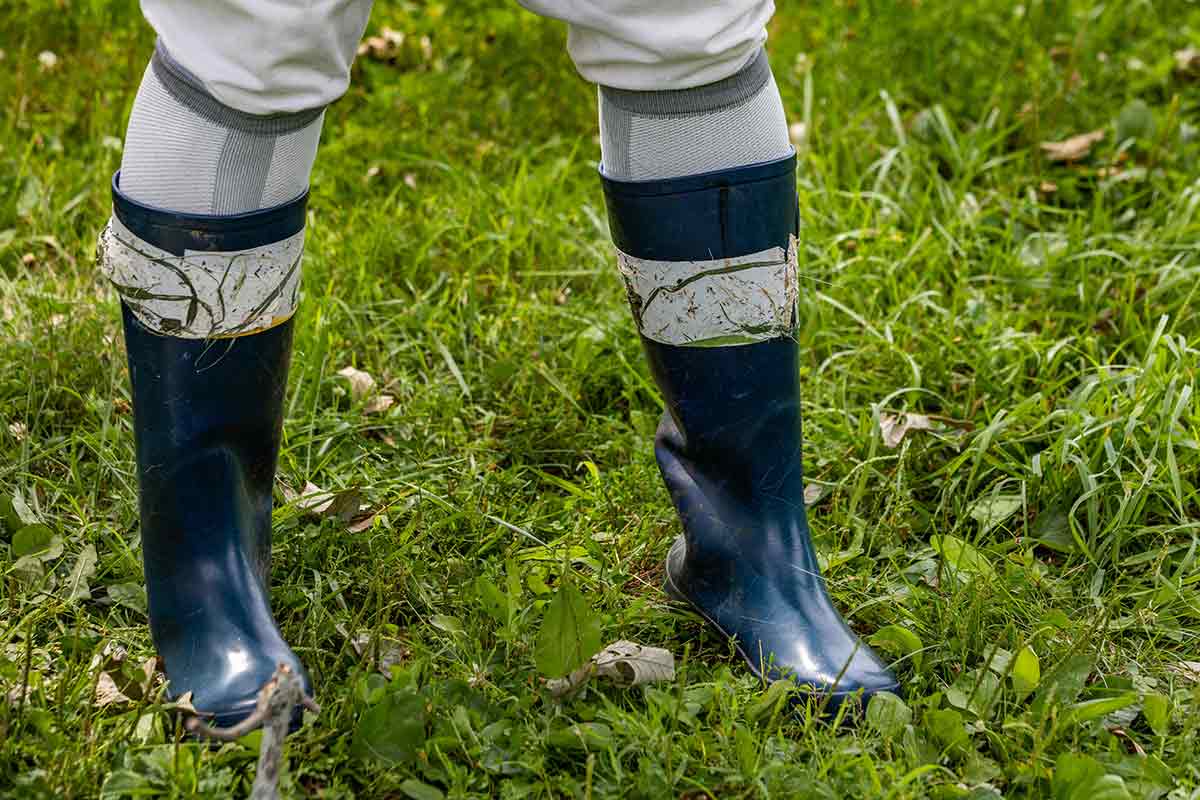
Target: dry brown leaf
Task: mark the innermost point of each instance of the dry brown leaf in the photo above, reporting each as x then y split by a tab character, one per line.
894	427
361	383
1074	148
312	499
19	694
182	703
107	693
623	662
379	404
344	505
1188	670
797	132
384	47
1187	61
117	686
388	653
813	493
361	525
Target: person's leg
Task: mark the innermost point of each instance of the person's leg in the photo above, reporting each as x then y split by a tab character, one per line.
699	180
204	249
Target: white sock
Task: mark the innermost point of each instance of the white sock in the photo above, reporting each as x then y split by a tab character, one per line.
187	152
730	123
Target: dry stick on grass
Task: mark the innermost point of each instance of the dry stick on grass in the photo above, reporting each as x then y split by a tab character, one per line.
276	699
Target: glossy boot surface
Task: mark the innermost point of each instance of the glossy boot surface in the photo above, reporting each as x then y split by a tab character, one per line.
207	419
729	444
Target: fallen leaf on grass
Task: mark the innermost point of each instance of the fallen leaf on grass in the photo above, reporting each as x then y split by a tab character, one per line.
387	653
623	662
345	505
107	693
384	47
361	383
813	493
360	525
1187	62
1074	148
1188	670
119	683
379	404
311	498
894	427
797	132
19	694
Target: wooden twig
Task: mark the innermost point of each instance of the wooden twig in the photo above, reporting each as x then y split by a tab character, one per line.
273	713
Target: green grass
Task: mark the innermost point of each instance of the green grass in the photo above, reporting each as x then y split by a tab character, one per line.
1043	313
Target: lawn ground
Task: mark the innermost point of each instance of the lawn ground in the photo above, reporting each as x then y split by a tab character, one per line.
1030	561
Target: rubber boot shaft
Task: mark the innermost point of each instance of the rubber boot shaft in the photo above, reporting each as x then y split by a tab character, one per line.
729	443
207	420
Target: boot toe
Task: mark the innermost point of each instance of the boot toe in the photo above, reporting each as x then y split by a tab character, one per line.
225	689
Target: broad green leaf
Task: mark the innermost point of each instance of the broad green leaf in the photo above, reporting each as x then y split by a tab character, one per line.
37	541
1156	708
1055	618
993	509
584	736
570	633
888	714
772	699
1136	121
899	642
1052	529
22	514
123	783
418	790
747	750
83	570
962	557
10	523
947	728
393	730
1095	709
30	197
512	583
974	691
447	624
494	601
1063	684
1026	671
1080	777
130	595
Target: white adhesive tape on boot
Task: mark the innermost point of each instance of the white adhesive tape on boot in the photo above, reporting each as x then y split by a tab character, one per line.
203	295
714	303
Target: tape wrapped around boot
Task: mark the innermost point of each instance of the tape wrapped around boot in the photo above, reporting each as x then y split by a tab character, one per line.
709	260
202	276
714	302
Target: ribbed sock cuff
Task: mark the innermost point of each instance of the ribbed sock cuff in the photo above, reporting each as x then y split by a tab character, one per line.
187	152
731	123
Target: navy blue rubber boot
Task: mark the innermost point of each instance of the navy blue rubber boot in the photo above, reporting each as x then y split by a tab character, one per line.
729	443
207	420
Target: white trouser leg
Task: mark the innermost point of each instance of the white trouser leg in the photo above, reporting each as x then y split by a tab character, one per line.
655	45
263	56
